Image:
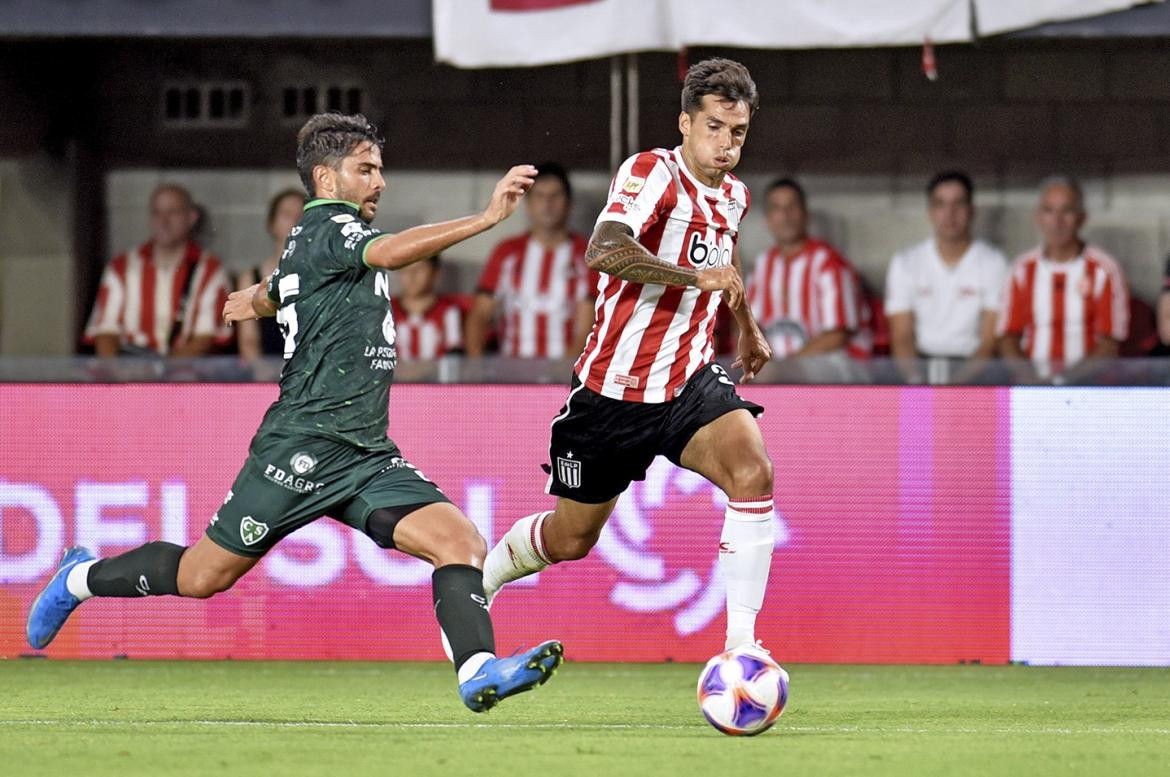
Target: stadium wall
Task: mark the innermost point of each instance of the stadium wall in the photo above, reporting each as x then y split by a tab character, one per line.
915	525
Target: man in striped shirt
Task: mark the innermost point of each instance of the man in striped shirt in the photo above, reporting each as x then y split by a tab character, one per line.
429	325
163	297
805	295
646	385
1066	300
537	285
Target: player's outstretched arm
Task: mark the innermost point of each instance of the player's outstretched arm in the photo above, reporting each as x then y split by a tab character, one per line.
417	243
613	250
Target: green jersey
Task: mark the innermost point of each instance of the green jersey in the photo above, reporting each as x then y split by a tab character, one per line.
334	311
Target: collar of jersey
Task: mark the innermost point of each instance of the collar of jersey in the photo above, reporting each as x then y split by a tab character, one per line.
704	188
346	203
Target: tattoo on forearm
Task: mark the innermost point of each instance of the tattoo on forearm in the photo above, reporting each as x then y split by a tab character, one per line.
627	259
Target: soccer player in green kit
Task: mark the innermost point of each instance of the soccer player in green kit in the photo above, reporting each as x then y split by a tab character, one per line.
322	448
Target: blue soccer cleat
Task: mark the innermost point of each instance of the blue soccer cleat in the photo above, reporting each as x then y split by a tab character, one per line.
53	604
500	678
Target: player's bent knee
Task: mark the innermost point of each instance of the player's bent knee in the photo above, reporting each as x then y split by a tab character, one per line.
573	547
752	478
461	546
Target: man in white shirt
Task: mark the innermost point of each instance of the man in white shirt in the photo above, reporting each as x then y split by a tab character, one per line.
943	295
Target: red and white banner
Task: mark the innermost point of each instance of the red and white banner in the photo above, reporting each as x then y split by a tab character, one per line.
496	33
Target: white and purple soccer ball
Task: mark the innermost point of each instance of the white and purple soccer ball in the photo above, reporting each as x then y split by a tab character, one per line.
742	691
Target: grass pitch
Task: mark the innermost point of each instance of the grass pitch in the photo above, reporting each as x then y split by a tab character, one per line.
260	718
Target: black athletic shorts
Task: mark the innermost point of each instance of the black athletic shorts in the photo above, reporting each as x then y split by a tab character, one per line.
600	445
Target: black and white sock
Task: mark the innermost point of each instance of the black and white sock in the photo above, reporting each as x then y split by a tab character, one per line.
149	570
462	612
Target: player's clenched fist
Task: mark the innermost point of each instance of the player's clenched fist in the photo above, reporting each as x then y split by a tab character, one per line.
239	305
509	189
725	279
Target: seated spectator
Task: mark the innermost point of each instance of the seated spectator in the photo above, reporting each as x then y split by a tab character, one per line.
943	295
429	325
165	296
1066	300
263	337
536	286
1163	346
805	296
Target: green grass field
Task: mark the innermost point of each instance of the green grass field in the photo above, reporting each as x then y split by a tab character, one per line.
239	718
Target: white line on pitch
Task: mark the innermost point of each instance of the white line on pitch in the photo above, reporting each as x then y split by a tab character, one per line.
841	729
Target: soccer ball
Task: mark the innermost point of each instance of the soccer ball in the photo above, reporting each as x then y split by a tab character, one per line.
742	691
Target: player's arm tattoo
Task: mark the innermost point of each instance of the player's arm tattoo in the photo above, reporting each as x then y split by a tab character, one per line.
613	250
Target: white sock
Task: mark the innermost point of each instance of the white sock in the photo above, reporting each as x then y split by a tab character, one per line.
77	581
472	666
519	553
745	556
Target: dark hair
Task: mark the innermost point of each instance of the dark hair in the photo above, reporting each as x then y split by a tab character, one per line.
952	176
274	203
553	170
724	78
788	183
328	138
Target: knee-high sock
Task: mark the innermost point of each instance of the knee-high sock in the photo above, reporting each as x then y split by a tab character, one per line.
149	570
462	611
519	553
745	556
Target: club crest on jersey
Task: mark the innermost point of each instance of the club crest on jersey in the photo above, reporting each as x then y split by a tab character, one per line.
303	463
633	184
569	471
251	530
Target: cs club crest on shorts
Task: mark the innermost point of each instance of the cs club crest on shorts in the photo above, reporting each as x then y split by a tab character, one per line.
251	530
569	470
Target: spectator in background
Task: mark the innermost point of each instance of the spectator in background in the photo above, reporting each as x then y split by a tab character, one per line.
1066	300
263	337
943	295
429	325
806	297
1163	316
163	297
537	285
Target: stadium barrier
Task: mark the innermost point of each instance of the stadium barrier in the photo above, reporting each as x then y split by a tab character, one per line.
915	525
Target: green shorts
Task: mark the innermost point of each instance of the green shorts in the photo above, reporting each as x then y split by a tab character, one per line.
290	480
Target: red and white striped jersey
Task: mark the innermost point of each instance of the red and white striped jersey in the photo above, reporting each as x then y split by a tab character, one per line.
648	339
428	335
1061	308
139	299
798	297
538	290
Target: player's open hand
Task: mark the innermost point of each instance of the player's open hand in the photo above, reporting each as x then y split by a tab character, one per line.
754	353
508	192
725	279
239	306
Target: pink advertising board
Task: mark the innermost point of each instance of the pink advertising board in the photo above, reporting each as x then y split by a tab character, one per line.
893	528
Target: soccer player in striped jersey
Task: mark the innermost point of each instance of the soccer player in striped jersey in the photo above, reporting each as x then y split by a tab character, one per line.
646	384
1066	300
